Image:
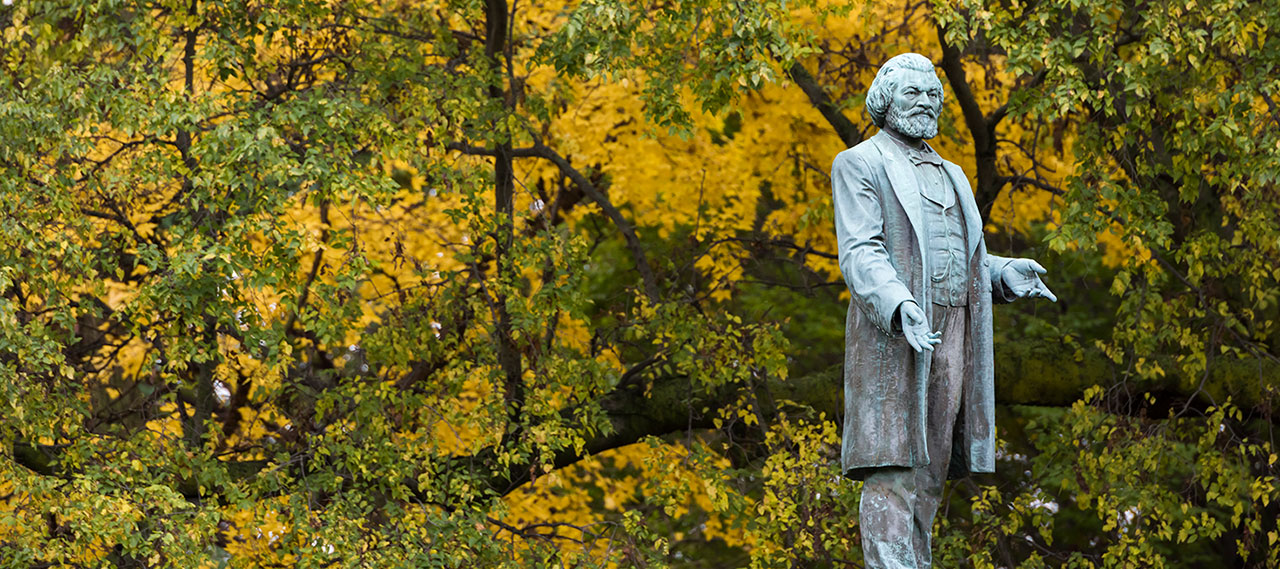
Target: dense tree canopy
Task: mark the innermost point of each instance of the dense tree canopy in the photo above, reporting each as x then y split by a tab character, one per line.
491	283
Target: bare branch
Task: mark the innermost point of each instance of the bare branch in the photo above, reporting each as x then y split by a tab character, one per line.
844	128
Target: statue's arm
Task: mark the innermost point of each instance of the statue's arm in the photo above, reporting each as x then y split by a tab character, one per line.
1001	292
864	259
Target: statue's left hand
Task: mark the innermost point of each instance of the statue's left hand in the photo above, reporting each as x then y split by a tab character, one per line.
1022	277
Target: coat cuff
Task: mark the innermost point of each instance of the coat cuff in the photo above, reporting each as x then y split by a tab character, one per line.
1000	292
886	315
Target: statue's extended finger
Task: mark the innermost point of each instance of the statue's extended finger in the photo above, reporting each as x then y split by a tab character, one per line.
926	343
1045	292
1036	266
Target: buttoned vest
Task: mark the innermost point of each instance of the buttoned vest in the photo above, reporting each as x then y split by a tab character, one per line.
948	262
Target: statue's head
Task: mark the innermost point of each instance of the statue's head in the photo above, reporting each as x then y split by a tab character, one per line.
906	96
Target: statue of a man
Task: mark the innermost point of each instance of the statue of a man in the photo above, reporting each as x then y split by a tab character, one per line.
919	389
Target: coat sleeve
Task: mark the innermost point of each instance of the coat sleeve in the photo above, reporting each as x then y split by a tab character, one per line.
1000	293
864	260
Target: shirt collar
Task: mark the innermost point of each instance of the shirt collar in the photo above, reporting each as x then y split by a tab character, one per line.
922	155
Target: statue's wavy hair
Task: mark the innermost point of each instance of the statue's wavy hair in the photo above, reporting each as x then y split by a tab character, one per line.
880	94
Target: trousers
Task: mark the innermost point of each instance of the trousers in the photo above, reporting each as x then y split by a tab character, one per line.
899	503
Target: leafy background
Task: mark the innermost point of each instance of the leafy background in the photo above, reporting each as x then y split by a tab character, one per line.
552	284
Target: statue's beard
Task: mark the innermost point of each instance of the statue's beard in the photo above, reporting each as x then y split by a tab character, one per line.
921	124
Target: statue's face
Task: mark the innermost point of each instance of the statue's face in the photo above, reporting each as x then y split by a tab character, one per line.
917	101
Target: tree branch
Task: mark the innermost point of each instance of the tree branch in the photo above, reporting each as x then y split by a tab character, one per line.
633	242
844	128
982	130
540	150
1028	181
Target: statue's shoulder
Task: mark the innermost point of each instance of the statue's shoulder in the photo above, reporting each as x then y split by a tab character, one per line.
861	155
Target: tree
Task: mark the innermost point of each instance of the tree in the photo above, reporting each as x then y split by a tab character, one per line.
519	284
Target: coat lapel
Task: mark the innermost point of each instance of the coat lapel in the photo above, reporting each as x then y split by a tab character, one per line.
903	180
969	207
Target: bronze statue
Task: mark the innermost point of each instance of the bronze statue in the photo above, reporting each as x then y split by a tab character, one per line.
919	387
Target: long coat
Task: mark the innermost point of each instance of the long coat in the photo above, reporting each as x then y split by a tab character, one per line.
881	236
